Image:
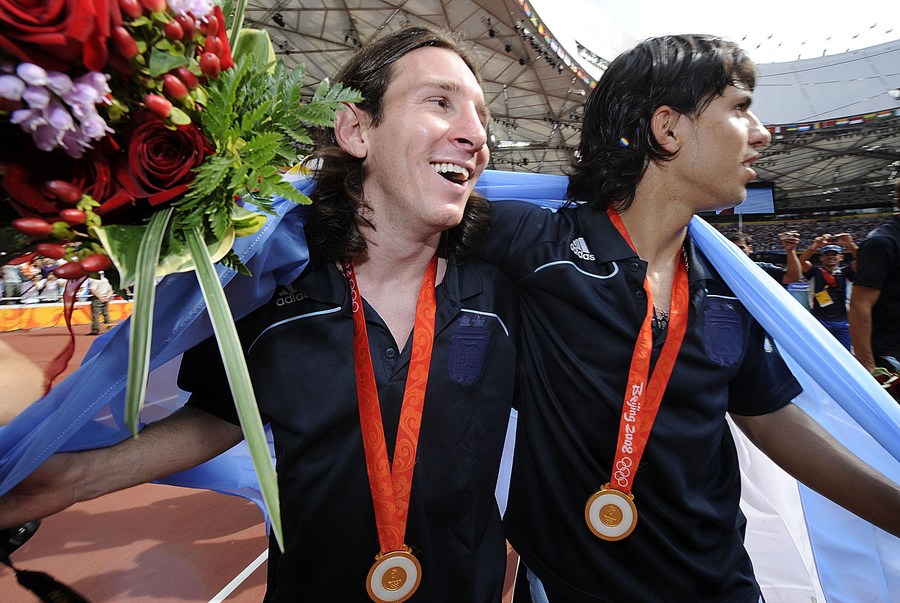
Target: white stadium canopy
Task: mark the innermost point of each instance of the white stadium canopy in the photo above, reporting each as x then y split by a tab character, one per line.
836	128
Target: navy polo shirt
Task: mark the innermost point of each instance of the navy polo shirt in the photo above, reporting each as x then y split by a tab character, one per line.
583	302
837	309
299	351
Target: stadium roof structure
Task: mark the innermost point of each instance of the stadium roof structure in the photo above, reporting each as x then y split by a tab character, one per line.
534	88
835	122
836	130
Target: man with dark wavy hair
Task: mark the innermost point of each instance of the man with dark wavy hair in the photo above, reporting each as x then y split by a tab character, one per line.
625	482
386	370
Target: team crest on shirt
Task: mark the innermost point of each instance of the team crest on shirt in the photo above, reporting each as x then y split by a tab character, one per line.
468	347
723	330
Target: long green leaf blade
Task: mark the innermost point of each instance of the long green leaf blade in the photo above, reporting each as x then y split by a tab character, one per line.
142	317
238	377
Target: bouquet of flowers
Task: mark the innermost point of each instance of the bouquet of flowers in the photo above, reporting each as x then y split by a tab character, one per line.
139	138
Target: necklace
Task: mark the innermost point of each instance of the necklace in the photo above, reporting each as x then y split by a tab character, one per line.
661	315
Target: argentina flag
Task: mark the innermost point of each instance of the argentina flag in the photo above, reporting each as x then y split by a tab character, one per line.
803	547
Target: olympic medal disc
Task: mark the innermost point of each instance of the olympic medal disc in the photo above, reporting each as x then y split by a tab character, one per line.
610	514
394	577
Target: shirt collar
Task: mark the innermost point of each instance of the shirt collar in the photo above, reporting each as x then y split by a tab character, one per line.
327	284
608	245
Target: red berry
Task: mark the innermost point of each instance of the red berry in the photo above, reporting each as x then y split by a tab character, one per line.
173	30
187	24
209	25
69	270
73	217
174	87
214	45
154	6
53	251
62	190
158	105
96	262
189	79
33	227
123	42
210	64
131	8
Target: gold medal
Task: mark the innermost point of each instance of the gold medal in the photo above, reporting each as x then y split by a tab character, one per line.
610	514
394	577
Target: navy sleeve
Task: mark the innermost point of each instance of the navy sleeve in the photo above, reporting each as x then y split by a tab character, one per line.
202	374
764	383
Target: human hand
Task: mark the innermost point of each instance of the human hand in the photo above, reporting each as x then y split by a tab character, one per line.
822	241
790	239
845	239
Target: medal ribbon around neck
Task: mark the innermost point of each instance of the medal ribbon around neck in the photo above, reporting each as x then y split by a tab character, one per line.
391	486
643	399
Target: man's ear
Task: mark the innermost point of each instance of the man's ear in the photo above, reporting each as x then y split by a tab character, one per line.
350	125
664	126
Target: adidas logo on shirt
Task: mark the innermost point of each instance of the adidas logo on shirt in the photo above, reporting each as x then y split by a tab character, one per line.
580	248
288	296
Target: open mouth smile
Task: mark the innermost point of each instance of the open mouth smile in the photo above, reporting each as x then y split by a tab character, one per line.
452	172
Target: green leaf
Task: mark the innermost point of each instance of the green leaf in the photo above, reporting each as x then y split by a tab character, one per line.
122	244
163	62
182	260
200	95
254	43
236	20
141	326
238	379
179	117
246	222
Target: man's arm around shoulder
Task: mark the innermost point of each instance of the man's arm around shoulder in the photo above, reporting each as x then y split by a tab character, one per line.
802	447
181	441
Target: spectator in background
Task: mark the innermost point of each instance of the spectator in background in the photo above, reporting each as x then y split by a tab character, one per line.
51	292
31	289
12	283
875	306
829	282
47	265
783	274
101	294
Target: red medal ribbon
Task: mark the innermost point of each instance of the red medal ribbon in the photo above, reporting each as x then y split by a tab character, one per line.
391	486
642	400
59	363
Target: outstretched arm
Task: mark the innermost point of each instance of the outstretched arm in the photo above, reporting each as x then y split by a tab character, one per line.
811	455
791	240
176	443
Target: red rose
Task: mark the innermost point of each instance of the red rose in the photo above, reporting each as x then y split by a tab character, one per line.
26	177
56	34
160	161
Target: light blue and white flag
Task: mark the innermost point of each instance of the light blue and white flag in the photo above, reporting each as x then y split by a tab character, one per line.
802	546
